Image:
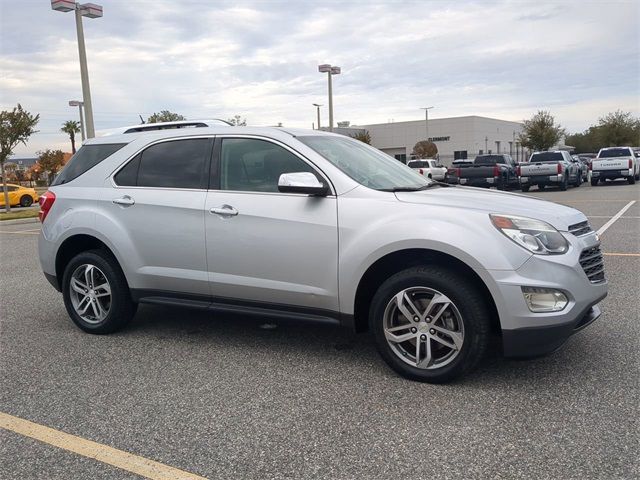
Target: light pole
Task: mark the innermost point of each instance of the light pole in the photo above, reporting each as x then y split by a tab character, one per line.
486	139
330	71
90	10
426	119
317	105
79	104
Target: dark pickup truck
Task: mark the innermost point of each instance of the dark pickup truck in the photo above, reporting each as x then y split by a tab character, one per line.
492	170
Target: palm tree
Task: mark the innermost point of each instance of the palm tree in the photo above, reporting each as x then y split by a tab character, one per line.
71	127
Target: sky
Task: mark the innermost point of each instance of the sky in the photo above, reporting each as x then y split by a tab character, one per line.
210	59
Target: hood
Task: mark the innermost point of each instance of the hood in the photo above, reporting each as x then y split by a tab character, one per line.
493	201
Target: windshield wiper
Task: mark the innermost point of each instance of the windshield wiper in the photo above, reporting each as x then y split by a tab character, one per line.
433	183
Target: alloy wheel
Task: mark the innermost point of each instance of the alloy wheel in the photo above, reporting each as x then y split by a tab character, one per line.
423	327
90	293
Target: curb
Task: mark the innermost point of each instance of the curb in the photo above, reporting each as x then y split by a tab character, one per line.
19	221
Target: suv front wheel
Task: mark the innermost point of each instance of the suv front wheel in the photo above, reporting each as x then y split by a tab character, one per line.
96	293
430	324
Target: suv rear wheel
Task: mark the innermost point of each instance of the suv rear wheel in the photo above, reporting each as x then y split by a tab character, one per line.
96	293
430	324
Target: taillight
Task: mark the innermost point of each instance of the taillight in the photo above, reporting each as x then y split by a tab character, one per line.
630	163
421	172
559	168
590	166
496	171
46	202
458	172
518	171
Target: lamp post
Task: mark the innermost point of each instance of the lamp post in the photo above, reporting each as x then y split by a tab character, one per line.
90	10
79	104
317	105
330	70
486	139
426	119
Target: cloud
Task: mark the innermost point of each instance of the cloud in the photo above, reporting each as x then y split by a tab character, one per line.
259	59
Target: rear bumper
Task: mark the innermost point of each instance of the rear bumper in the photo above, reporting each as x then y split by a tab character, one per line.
542	180
537	341
611	173
479	182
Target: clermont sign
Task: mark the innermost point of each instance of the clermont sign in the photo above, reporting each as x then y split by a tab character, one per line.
438	139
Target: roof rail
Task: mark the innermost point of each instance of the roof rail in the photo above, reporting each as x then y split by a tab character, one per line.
152	127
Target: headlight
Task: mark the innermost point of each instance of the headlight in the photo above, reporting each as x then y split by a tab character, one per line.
534	235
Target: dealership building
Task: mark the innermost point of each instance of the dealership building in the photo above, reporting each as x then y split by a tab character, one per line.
456	137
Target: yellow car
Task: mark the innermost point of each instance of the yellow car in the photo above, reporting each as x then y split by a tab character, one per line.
18	195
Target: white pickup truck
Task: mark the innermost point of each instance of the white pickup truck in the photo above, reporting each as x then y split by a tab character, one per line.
549	168
615	162
429	168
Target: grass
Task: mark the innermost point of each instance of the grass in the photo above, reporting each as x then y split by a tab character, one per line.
15	214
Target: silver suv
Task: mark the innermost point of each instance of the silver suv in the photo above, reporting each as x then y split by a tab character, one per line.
316	227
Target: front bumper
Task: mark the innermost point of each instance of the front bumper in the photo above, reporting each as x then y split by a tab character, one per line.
525	333
537	341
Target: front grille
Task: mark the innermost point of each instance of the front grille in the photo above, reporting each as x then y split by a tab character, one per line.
592	263
581	228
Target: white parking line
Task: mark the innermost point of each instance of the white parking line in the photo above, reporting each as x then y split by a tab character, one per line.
604	228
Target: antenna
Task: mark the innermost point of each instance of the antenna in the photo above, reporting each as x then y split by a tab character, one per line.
141	119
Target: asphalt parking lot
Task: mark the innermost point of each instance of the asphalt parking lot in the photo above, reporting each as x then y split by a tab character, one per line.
225	398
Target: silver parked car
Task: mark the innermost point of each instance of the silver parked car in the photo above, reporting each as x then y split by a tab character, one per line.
317	227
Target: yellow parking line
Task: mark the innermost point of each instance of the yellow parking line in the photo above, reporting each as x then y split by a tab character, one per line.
622	254
112	456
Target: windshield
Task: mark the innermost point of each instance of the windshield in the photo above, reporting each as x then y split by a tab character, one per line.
546	157
615	152
366	165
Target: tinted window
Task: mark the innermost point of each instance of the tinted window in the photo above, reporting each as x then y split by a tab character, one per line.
175	164
489	160
128	176
615	152
418	164
85	159
547	157
256	165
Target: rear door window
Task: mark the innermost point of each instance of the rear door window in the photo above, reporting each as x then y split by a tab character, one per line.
85	159
173	164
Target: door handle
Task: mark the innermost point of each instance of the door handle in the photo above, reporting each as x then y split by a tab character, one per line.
125	201
224	210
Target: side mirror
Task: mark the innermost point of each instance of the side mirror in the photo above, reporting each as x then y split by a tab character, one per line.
302	182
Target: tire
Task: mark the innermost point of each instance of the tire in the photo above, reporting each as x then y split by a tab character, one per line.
26	201
467	318
631	179
594	181
541	186
565	184
578	180
525	188
117	309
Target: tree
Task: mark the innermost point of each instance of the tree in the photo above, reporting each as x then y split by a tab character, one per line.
540	132
50	162
238	121
71	127
364	136
425	149
618	129
33	174
16	127
165	116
